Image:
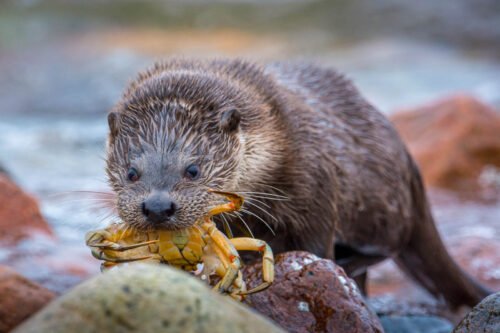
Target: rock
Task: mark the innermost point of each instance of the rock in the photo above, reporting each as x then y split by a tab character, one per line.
415	324
310	294
19	298
145	298
484	317
19	213
454	141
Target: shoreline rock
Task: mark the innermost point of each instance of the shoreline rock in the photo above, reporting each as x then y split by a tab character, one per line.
145	298
19	298
20	214
484	317
455	142
311	294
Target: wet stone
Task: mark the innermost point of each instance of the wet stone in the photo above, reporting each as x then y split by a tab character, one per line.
20	215
454	141
187	305
310	294
19	298
484	317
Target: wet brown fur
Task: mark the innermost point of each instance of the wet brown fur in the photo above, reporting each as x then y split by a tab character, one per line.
305	133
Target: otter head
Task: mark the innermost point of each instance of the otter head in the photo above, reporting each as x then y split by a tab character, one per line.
162	164
173	137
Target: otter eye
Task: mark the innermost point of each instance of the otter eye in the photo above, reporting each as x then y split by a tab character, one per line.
192	172
133	175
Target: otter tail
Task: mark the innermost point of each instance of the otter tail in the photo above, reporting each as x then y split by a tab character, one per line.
426	259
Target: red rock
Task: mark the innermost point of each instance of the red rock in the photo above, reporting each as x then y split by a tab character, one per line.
453	140
19	213
310	294
19	298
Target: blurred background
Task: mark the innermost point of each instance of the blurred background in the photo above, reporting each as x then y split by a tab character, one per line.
64	63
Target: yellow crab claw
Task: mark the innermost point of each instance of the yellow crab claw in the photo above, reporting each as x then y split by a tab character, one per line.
117	247
102	255
234	204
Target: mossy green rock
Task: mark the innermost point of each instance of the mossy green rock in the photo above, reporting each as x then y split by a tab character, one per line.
145	298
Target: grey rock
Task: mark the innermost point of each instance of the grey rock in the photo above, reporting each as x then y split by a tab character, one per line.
483	318
415	324
145	298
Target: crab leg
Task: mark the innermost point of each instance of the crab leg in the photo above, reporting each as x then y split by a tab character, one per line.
250	244
227	255
226	271
239	285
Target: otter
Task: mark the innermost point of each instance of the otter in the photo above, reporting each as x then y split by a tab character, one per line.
315	161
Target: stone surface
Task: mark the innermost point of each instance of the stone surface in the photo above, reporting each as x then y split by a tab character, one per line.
20	215
145	298
310	294
415	324
19	298
484	317
455	142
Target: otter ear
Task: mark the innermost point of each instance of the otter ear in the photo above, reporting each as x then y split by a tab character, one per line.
113	123
230	120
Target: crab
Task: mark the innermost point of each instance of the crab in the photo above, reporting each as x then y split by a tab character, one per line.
201	245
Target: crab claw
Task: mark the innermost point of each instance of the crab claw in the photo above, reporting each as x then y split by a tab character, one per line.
117	247
104	245
102	255
106	240
99	237
234	204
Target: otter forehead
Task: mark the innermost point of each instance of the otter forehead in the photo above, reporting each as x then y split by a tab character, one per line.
164	137
173	127
205	81
188	90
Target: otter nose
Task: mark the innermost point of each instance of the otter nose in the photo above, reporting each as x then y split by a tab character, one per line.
158	208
